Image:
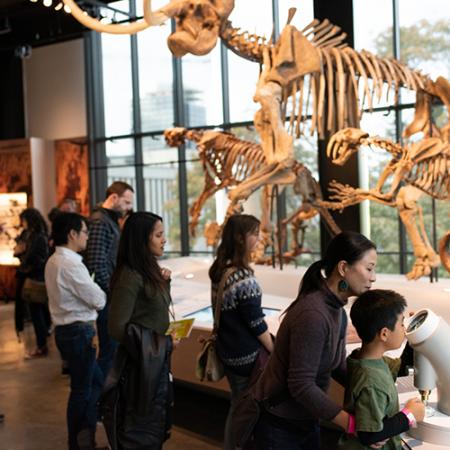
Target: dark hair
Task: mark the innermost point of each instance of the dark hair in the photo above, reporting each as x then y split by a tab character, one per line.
118	187
347	246
231	251
53	213
375	309
35	221
63	223
134	250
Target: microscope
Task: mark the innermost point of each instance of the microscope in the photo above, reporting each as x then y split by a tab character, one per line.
429	336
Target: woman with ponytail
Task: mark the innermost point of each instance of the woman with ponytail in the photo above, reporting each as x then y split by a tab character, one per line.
310	348
242	331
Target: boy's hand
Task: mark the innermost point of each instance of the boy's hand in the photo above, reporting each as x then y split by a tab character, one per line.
416	406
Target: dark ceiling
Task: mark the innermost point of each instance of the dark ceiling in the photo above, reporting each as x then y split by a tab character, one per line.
26	23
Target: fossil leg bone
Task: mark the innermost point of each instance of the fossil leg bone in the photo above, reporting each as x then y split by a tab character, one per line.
444	250
411	215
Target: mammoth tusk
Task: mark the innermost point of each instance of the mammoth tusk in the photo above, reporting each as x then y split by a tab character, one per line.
154	18
95	24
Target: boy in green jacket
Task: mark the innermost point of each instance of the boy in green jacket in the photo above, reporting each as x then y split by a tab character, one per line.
371	396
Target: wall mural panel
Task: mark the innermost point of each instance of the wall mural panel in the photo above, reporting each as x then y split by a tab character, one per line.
72	172
15	167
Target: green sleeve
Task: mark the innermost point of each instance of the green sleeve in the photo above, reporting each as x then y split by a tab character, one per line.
370	409
123	301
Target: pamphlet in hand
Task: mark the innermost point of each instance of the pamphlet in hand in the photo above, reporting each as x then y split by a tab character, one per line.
180	328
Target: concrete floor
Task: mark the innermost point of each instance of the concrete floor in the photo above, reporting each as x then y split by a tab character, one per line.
33	397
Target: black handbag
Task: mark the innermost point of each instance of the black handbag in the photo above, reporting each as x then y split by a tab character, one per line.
34	291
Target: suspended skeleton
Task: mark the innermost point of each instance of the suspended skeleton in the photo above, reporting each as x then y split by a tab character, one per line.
228	161
423	166
309	68
312	68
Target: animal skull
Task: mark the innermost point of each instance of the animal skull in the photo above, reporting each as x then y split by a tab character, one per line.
198	23
344	143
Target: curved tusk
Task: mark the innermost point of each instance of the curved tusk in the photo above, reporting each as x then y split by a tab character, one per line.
95	24
153	18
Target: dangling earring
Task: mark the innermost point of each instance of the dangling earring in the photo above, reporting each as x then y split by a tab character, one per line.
342	285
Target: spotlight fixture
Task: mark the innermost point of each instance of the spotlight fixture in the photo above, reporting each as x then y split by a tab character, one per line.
59	5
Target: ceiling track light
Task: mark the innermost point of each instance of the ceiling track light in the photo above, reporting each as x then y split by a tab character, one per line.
47	3
59	6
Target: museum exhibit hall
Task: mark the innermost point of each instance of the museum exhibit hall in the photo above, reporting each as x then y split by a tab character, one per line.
224	224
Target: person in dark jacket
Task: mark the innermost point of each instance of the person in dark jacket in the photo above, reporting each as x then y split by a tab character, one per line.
310	348
33	254
101	254
140	299
242	329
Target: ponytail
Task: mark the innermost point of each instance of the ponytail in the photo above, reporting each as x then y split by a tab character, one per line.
312	281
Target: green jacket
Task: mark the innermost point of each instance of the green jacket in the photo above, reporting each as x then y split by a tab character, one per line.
133	301
371	396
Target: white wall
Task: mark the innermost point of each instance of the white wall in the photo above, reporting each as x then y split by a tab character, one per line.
43	177
55	105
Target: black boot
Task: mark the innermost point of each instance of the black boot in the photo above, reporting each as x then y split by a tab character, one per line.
86	440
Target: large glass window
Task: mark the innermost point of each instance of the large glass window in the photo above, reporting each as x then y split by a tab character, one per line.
244	74
155	79
423	45
202	101
117	86
161	187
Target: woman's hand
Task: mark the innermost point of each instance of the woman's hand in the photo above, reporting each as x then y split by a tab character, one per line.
175	340
166	273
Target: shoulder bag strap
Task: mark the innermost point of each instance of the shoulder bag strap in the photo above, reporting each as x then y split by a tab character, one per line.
219	298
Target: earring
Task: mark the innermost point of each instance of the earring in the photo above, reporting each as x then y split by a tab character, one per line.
342	285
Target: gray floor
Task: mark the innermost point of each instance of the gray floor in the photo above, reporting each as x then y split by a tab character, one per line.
33	396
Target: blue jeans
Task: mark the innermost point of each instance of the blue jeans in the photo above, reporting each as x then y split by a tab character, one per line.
271	434
74	342
107	345
238	384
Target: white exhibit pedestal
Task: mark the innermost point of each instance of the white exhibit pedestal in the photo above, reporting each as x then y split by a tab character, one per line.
433	432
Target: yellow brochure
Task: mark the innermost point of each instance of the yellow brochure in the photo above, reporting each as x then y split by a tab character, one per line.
180	328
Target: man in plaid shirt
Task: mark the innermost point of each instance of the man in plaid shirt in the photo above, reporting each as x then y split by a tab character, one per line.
101	254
